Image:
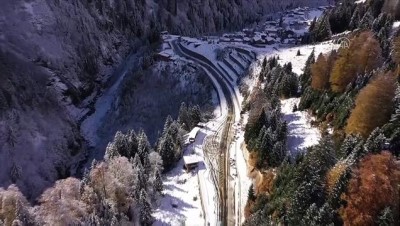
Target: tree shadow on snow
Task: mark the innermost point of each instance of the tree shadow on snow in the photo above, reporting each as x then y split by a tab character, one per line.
175	205
173	187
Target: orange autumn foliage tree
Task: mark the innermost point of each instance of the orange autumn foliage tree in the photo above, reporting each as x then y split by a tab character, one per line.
373	187
374	105
319	73
363	55
321	70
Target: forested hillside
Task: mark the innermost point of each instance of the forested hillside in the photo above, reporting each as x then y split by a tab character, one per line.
57	57
352	176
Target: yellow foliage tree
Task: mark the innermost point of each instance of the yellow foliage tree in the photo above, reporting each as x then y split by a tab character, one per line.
321	70
363	55
319	73
334	174
374	105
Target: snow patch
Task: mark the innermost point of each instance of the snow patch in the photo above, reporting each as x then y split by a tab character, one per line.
301	133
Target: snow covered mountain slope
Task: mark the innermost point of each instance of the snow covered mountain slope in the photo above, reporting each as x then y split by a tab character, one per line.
53	55
56	58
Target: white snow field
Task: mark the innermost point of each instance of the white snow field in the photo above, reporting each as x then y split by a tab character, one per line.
301	133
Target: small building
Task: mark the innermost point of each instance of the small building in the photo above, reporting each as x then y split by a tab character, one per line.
190	162
163	57
271	31
224	39
258	40
246	40
193	134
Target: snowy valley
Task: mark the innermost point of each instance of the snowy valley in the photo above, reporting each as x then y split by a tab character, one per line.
200	113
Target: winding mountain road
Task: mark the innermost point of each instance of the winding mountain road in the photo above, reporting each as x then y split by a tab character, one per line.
226	192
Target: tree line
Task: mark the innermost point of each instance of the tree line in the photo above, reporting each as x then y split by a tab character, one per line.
119	190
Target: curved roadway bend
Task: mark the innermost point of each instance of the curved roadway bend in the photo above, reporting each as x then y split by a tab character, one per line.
227	215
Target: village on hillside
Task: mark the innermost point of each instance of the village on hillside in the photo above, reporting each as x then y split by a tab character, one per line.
280	28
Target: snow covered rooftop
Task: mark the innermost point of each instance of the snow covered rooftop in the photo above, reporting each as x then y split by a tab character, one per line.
194	132
191	159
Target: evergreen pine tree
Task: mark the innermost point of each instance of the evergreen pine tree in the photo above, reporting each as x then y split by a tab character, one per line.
264	63
258	218
367	21
311	216
167	124
313	24
140	177
132	143
251	196
258	143
277	154
111	151
16	172
294	108
265	143
252	130
145	211
386	217
348	145
143	145
355	19
147	165
158	184
117	147
305	78
167	152
195	116
323	31
376	7
375	142
395	118
183	117
288	67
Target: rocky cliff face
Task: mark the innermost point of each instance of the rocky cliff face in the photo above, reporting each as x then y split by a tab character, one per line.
57	56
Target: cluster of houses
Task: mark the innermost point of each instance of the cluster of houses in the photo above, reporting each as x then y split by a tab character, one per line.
282	28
